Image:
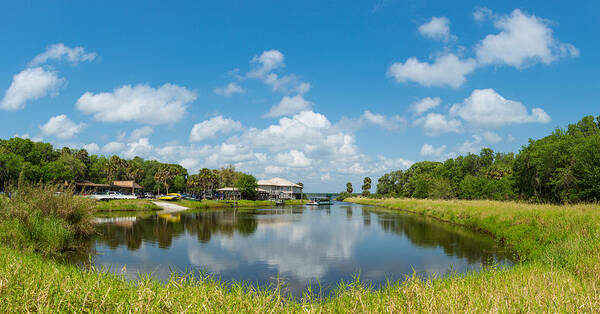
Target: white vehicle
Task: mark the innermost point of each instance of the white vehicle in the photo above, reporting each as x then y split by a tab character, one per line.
112	195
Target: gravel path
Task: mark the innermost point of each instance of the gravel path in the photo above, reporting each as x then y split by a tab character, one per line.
169	207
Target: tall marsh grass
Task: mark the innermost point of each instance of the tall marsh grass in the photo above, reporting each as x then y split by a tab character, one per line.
44	219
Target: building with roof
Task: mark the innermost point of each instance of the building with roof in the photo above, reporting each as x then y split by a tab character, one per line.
229	193
278	188
87	187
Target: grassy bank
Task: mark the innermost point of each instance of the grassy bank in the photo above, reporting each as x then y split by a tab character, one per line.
559	246
31	283
125	205
207	204
147	205
42	220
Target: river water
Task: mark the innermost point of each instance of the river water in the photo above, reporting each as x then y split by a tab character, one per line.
295	246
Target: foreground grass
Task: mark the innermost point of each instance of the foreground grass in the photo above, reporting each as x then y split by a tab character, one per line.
125	205
30	283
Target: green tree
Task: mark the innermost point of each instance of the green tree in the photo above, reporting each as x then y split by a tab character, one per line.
228	177
114	167
134	171
164	175
247	185
193	183
349	188
366	187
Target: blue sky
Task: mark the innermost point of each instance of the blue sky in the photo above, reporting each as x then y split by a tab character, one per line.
313	91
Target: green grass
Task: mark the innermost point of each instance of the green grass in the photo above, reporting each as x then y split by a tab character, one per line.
295	202
40	220
30	283
204	204
208	204
560	272
125	205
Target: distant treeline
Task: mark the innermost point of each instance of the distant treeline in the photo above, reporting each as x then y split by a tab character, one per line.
40	162
562	167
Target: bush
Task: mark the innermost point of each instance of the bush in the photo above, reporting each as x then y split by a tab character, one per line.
342	196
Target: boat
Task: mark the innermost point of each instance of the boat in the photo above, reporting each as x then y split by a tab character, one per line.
170	197
319	201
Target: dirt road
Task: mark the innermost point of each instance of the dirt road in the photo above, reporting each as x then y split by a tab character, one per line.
169	207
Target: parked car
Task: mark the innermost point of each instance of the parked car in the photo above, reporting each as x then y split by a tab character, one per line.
112	195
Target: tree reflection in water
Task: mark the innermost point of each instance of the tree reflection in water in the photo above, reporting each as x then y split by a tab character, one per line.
162	229
301	244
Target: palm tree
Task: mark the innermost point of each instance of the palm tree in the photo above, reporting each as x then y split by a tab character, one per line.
193	182
165	174
113	167
134	172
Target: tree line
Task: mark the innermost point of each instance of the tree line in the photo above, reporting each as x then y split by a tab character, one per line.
563	167
41	162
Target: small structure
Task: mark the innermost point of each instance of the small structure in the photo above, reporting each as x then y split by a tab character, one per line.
278	188
87	187
229	193
129	185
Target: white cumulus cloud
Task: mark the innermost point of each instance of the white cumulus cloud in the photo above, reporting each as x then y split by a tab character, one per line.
425	104
144	131
481	14
491	137
268	61
447	70
293	158
113	147
289	106
473	146
61	127
429	150
436	124
60	51
229	90
487	109
91	148
264	67
438	28
30	84
523	40
141	103
392	123
210	128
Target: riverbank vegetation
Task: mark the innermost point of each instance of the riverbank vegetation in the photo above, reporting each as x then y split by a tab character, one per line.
563	167
43	219
560	270
125	205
